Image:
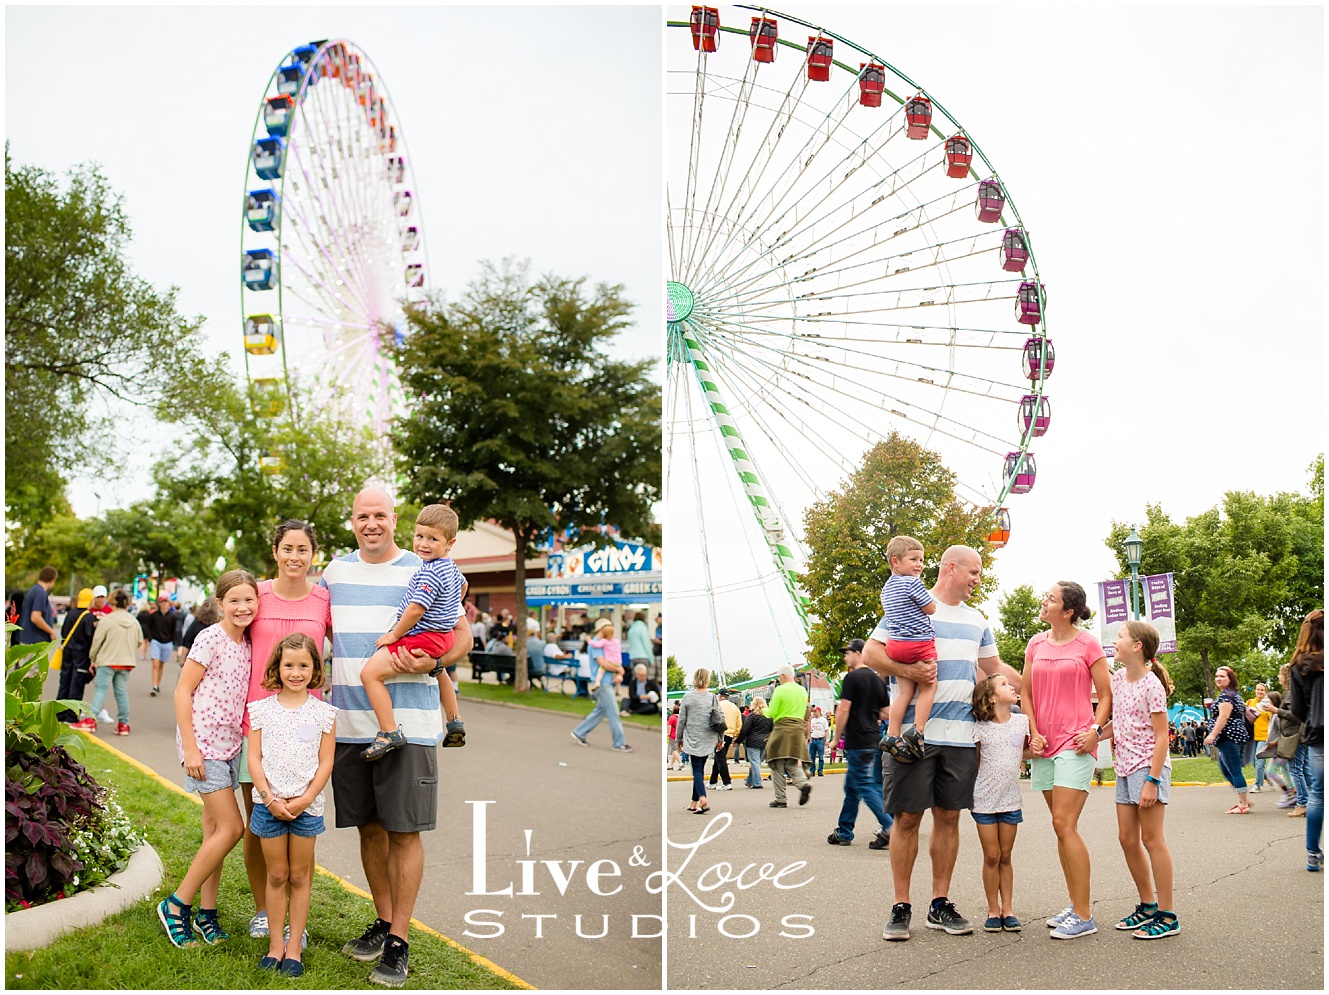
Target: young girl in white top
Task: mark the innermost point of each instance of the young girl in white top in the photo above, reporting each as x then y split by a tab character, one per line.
291	743
1001	741
1144	774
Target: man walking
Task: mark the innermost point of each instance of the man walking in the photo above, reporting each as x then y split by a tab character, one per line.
787	745
393	800
733	723
160	638
640	651
943	779
858	717
36	620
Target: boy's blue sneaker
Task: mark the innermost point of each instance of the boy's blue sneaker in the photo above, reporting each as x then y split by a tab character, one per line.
1073	926
456	734
384	743
992	924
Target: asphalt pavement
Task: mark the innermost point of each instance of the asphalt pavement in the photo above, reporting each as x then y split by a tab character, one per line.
1252	916
559	805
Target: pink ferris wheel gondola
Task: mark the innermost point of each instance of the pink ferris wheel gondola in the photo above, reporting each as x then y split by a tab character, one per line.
1035	412
1014	251
1020	472
991	201
1035	366
1030	300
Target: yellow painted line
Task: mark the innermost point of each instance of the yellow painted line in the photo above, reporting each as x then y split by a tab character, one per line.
476	958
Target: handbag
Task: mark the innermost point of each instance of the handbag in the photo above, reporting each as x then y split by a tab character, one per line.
719	724
1289	737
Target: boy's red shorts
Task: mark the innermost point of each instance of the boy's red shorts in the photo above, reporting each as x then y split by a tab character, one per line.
433	643
911	651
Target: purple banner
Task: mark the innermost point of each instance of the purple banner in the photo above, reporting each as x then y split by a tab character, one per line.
1159	609
1114	597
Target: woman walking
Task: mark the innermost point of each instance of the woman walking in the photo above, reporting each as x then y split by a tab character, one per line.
696	737
1229	734
1306	702
112	656
1062	667
752	737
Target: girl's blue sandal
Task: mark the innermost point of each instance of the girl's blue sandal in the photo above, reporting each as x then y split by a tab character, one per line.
177	926
1161	925
209	927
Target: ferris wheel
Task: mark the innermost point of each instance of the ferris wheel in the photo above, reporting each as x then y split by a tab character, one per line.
845	263
333	248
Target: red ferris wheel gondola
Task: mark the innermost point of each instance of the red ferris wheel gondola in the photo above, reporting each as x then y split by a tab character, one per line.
871	83
918	114
819	58
764	35
705	26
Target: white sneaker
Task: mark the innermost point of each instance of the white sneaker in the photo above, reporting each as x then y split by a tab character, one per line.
105	716
1256	790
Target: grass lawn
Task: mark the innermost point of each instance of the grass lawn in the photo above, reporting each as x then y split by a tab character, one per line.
130	950
554	701
1200	770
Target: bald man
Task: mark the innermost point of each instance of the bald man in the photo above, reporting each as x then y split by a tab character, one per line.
392	800
943	780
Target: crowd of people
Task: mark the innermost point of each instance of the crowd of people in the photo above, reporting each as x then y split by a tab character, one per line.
983	720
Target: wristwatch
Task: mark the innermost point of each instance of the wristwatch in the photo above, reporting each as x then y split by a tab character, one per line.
1153	780
438	669
1098	731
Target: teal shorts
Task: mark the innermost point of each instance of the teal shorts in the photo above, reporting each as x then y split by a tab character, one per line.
244	763
1067	769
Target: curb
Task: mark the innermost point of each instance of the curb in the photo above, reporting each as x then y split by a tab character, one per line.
478	959
31	929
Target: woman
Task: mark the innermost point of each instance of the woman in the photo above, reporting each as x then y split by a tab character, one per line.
288	603
817	743
752	737
1229	734
112	656
1063	667
696	736
1306	702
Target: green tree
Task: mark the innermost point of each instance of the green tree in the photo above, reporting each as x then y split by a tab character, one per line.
738	676
213	479
1245	575
901	488
676	679
1018	612
81	333
521	415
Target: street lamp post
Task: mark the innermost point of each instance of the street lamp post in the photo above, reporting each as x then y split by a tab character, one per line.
1134	547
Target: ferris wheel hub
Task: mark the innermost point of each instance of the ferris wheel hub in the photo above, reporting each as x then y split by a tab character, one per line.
679	301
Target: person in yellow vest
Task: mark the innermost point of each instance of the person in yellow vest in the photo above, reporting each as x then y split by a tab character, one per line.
1263	709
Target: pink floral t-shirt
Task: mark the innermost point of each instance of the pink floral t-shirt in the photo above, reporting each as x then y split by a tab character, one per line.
1132	730
290	741
1061	687
219	700
1000	751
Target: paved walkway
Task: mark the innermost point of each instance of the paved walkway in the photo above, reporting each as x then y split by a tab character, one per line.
1252	917
578	803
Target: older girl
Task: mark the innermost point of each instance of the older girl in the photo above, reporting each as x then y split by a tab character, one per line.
1306	702
1144	776
209	705
1063	667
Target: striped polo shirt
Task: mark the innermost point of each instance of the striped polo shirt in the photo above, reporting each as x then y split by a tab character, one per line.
963	637
436	585
903	600
364	599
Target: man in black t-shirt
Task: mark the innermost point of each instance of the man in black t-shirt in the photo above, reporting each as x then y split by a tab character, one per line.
858	715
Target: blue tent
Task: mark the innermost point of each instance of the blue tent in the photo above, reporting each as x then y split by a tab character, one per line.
1181	713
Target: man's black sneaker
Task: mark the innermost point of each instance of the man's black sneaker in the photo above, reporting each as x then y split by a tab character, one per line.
391	970
369	944
835	839
942	915
882	841
898	926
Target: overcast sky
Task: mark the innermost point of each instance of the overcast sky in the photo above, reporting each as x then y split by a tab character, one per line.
534	132
1168	164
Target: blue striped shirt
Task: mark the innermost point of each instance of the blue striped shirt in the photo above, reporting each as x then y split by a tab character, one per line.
903	600
963	638
364	597
436	585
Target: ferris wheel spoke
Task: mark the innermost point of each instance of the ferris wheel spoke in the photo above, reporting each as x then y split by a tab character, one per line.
977	292
845	389
735	124
823	353
327	199
302	247
330	297
767	144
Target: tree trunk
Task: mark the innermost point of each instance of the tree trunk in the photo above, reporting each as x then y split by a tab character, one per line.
1209	689
521	681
